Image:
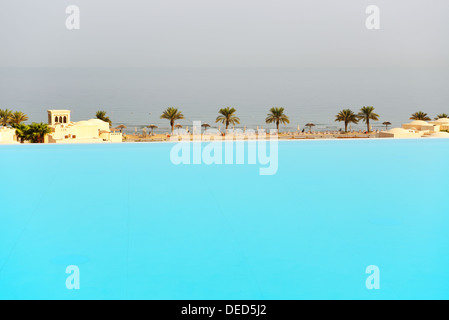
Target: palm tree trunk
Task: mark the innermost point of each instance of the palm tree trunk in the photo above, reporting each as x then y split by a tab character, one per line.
367	125
277	126
346	126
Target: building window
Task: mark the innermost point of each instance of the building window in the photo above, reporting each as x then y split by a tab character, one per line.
65	119
60	119
56	119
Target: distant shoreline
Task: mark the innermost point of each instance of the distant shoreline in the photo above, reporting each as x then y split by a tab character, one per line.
223	140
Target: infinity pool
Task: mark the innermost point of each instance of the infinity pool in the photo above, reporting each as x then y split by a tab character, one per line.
139	227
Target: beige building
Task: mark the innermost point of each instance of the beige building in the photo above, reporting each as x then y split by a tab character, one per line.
419	128
7	135
90	131
423	126
443	123
399	133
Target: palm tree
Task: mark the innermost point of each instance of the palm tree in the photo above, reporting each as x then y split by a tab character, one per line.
367	114
441	115
227	117
172	114
386	124
17	117
277	116
347	116
420	116
102	116
5	116
37	132
22	131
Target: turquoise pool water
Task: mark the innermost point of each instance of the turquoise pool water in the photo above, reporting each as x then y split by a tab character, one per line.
139	227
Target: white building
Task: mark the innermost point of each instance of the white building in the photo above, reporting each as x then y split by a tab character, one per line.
399	133
7	135
423	126
90	131
442	122
419	128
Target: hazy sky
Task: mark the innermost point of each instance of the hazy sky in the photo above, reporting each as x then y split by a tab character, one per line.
224	33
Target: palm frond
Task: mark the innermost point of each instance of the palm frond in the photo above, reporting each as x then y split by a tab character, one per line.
419	115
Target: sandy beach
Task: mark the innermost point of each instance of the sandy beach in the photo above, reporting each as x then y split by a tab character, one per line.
281	136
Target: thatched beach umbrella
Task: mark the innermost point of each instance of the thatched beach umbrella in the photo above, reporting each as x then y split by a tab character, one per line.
121	127
310	125
386	124
177	126
152	127
205	126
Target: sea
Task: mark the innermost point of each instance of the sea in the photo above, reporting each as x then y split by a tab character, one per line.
136	97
